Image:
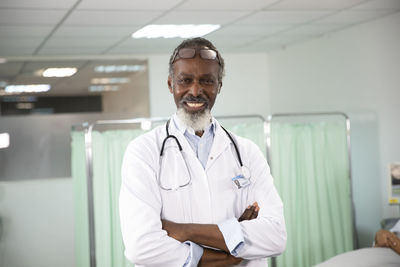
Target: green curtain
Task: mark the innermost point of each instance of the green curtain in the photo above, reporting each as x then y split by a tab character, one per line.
108	149
311	171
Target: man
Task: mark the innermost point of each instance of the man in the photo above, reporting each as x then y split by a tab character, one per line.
189	197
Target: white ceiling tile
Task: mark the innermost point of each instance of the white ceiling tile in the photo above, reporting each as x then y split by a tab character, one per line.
13	51
275	42
223	43
208	5
315	4
379	4
248	30
37	4
313	29
80	42
128	4
17	41
283	17
198	17
70	51
348	17
27	31
157	42
10	68
99	18
30	17
95	31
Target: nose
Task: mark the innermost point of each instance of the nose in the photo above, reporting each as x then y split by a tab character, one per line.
196	89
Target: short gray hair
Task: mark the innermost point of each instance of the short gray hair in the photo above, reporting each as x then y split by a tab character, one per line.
197	43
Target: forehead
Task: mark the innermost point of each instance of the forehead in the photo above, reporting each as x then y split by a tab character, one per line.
196	66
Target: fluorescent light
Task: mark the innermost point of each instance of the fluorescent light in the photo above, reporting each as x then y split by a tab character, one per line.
4	140
110	80
171	31
103	88
59	72
24	106
3	60
119	68
28	88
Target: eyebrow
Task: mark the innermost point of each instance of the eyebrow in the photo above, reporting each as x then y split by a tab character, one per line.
191	75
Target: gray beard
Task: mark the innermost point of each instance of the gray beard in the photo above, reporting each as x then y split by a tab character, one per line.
196	121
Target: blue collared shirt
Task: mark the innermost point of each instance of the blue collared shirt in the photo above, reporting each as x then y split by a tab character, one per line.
230	228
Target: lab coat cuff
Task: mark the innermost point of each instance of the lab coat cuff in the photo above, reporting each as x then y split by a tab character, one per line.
233	235
195	254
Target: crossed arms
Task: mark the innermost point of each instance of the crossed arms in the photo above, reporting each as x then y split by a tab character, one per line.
150	243
208	235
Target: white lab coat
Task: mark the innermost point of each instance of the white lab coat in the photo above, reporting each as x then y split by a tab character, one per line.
211	198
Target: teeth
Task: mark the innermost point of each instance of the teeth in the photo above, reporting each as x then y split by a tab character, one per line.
194	105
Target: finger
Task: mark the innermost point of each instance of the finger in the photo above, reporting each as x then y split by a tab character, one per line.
247	214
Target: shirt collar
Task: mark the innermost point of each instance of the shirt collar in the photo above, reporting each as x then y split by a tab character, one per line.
182	128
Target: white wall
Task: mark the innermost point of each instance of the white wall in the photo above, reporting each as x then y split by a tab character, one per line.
37	223
243	90
355	71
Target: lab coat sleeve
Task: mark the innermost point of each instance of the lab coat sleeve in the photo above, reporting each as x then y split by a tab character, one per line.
264	236
140	208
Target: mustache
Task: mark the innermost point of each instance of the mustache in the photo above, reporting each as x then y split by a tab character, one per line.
196	99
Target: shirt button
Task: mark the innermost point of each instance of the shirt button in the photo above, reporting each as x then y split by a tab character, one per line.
211	158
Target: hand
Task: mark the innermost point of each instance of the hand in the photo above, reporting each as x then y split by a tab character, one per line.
384	238
250	213
215	258
175	230
381	238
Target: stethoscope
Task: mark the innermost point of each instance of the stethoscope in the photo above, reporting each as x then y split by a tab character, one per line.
241	180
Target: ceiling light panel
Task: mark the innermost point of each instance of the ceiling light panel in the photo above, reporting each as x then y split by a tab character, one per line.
173	31
103	88
225	5
111	80
4	140
128	4
313	4
110	17
198	17
119	68
31	17
283	17
27	88
59	72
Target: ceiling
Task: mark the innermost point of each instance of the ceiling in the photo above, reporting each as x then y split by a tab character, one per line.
36	34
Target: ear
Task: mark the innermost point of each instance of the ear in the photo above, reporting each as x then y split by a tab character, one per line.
170	84
219	87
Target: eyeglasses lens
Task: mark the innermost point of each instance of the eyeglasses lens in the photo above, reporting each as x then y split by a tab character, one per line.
187	53
208	54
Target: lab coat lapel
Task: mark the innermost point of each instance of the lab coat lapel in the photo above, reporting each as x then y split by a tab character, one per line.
220	144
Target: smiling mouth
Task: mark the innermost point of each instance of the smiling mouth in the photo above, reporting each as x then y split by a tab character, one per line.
194	104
